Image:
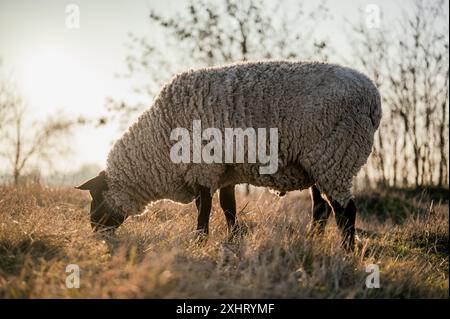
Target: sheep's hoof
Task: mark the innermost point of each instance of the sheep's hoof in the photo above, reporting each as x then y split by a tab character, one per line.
236	233
349	246
232	237
200	238
315	232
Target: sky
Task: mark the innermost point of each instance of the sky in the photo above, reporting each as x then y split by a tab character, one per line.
73	69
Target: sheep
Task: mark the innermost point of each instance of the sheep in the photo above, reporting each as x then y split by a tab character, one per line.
325	114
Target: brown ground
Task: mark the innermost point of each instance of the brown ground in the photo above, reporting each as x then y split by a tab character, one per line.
42	230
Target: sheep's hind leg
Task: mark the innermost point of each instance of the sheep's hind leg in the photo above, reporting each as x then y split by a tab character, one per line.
320	211
345	219
228	204
203	203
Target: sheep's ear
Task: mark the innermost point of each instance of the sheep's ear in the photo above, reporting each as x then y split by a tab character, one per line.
95	184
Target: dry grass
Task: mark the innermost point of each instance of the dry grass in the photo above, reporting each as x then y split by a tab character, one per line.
43	230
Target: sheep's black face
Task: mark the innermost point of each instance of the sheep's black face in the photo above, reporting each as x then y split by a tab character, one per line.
103	218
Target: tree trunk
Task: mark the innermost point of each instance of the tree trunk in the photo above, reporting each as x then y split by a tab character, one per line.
395	163
16	171
442	145
16	177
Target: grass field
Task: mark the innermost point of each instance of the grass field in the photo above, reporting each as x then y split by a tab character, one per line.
42	230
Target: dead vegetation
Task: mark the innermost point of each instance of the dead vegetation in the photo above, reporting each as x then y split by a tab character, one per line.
42	230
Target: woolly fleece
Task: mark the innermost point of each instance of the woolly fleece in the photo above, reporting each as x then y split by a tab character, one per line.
326	117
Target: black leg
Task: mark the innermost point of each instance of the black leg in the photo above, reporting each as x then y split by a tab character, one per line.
203	203
345	219
228	204
320	211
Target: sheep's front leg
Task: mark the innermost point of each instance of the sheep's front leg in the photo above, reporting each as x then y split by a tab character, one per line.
228	204
320	211
203	203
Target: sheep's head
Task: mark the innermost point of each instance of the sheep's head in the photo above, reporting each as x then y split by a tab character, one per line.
103	218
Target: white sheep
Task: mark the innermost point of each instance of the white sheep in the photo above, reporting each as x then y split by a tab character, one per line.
326	116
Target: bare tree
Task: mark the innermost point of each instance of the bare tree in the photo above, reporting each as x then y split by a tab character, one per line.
7	99
23	142
411	69
208	33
